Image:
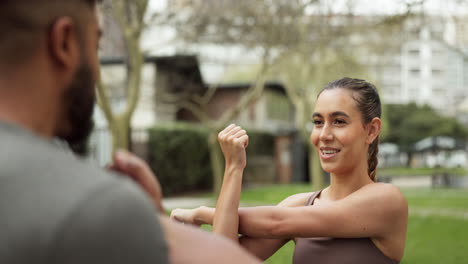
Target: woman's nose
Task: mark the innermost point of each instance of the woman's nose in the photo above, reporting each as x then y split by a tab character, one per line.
326	134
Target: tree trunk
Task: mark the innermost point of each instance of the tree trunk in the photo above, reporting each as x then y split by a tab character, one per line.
409	160
120	133
217	163
315	170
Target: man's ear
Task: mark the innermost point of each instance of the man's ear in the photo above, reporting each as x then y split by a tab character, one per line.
63	43
374	128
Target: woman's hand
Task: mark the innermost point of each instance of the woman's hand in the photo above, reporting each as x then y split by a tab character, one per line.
187	216
233	141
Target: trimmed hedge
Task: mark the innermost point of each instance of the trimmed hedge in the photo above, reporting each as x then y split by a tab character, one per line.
179	155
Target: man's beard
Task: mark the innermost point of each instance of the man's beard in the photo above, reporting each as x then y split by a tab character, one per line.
79	100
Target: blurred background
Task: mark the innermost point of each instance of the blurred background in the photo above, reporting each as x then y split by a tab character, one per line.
176	72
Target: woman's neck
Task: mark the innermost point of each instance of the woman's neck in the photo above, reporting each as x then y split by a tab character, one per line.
343	184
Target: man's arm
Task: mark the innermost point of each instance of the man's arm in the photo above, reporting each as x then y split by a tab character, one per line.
191	245
186	244
114	223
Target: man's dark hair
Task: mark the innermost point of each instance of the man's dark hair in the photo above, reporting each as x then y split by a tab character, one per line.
24	22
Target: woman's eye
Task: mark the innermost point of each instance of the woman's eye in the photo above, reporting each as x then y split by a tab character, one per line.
318	122
340	122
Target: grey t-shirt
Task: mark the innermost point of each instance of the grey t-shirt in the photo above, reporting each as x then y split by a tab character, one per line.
55	208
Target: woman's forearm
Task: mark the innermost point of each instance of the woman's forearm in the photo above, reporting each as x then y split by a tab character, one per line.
226	218
261	221
256	222
262	248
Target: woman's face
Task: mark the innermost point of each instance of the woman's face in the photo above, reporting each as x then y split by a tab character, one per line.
339	135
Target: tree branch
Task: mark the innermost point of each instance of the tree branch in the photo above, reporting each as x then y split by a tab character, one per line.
253	94
103	101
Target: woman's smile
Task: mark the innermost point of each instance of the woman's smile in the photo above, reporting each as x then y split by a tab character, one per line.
328	153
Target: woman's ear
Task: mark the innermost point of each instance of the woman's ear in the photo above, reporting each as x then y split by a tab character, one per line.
374	128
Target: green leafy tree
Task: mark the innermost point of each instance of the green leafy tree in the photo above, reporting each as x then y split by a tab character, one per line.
410	123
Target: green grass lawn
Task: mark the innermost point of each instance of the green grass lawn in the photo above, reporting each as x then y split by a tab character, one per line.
431	239
456	199
435	239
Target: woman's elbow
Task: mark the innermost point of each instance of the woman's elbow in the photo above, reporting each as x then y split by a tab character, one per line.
277	227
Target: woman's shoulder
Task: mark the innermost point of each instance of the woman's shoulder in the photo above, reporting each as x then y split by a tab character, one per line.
299	199
384	189
387	195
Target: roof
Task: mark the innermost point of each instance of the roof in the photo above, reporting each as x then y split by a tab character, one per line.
186	65
276	86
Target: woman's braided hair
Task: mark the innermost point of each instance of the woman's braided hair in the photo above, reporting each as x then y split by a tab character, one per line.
368	102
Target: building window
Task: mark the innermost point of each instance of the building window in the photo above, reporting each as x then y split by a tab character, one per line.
415	73
414	52
278	107
437	73
438	90
437	52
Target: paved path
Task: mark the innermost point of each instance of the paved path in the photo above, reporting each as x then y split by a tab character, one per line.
412	181
186	202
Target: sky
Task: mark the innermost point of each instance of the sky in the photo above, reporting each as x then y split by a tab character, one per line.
159	41
447	7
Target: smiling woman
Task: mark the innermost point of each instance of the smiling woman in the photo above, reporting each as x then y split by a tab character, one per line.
354	220
351	124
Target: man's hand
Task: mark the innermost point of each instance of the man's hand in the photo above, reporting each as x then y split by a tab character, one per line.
137	169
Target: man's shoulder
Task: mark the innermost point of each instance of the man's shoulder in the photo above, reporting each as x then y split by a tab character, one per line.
37	171
30	157
69	203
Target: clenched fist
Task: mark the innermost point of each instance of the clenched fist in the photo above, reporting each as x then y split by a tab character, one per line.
233	141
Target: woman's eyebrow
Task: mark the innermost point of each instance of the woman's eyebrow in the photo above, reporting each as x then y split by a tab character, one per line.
334	114
339	113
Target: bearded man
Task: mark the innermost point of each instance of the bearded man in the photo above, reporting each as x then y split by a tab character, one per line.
55	207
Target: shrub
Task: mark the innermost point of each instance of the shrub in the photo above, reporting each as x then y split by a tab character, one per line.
179	155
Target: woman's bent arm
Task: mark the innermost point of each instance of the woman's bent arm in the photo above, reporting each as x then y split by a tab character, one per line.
233	141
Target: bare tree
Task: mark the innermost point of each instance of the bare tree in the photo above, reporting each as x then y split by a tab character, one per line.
129	15
197	105
312	44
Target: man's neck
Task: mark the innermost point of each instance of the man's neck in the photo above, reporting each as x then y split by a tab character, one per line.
26	120
25	107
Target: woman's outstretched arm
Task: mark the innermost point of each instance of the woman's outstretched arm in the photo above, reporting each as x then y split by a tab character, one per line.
376	210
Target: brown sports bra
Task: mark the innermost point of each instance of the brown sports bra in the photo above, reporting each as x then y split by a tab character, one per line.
321	250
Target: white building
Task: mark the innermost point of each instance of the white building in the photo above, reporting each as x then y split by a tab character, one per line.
427	70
